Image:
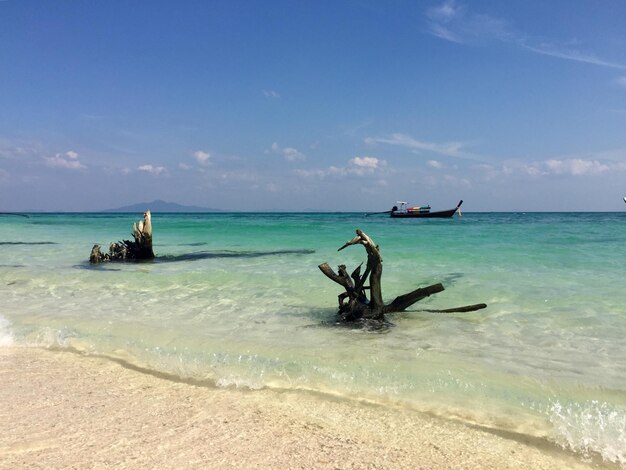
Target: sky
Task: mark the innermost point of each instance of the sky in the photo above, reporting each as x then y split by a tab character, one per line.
313	105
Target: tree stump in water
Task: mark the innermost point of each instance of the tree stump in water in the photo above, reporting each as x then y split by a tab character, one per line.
354	303
127	250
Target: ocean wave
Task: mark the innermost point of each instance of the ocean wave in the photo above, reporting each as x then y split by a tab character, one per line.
591	427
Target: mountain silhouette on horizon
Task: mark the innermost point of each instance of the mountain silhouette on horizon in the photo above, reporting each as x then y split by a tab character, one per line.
159	205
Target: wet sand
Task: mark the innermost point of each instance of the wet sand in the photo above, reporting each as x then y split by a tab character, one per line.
63	410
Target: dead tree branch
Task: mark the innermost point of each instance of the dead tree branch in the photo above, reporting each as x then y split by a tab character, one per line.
139	249
354	302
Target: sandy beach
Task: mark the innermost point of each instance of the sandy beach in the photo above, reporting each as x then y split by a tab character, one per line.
63	410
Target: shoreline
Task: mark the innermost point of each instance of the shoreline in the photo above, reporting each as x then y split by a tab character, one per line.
64	409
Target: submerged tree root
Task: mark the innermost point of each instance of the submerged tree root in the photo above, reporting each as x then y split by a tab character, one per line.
354	303
127	250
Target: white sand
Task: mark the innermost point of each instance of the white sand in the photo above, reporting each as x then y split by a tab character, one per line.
61	410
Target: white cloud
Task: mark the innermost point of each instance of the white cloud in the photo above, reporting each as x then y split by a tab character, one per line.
439	16
532	170
442	32
357	166
310	173
68	160
271	94
621	81
153	170
564	52
11	150
365	162
453	22
456	181
444	12
576	167
451	149
489	172
434	164
227	177
202	157
184	166
292	154
362	166
288	153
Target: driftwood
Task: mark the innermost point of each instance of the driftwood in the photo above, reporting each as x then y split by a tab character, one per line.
126	250
354	303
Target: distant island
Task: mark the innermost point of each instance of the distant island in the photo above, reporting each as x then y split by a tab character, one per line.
161	206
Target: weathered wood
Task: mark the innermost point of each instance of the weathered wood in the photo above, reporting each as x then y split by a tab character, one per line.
354	303
403	302
328	271
127	250
466	308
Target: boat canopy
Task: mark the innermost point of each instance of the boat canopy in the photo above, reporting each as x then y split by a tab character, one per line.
402	206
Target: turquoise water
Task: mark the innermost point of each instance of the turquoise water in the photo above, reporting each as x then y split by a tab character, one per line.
237	299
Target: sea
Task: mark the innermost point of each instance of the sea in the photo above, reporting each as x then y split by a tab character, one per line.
237	300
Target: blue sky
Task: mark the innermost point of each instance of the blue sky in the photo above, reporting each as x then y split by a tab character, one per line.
320	105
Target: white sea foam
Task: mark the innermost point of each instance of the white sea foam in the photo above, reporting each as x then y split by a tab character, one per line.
238	382
6	336
591	427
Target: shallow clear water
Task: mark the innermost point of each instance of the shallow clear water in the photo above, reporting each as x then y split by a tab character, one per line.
238	299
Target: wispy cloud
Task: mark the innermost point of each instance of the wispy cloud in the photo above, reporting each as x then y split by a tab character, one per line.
442	32
457	181
271	94
439	18
11	150
621	81
575	167
357	166
453	22
91	117
565	52
355	128
202	157
444	12
451	149
153	169
68	160
236	176
288	153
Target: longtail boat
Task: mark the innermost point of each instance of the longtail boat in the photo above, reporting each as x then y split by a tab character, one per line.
402	210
